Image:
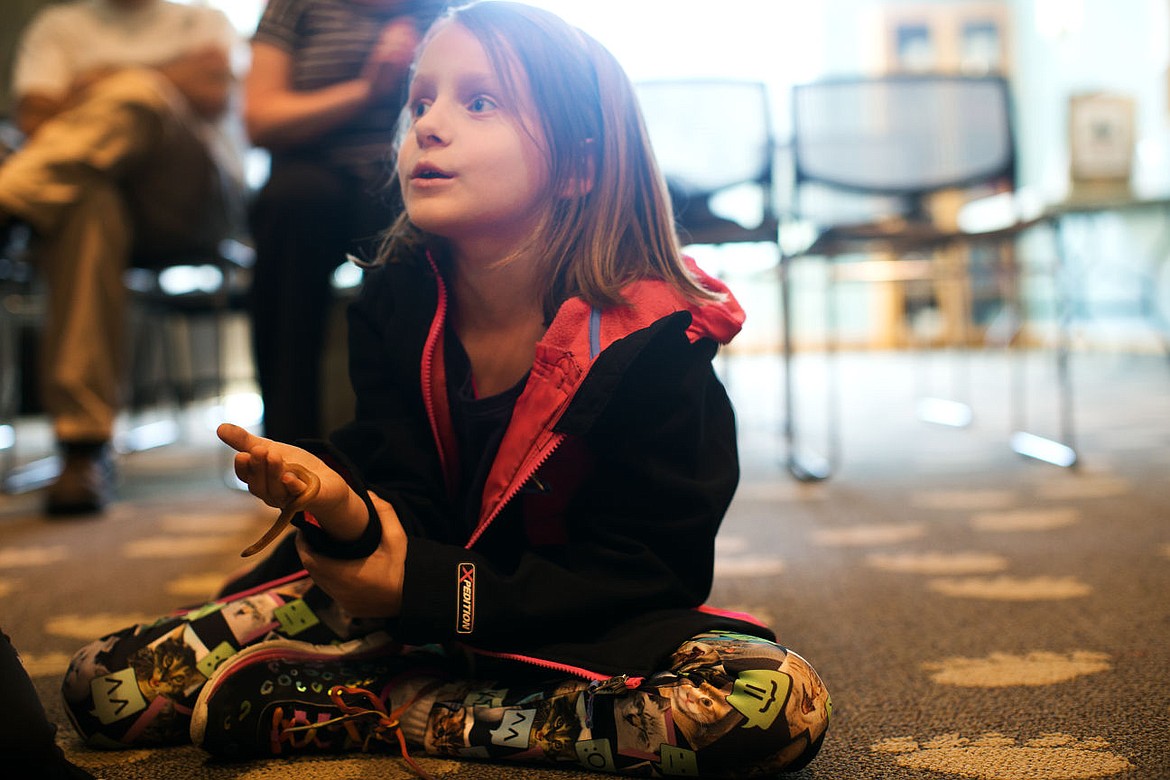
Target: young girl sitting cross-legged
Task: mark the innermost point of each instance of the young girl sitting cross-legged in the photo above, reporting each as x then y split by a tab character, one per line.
506	554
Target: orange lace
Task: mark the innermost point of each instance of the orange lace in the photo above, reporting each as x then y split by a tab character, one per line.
387	722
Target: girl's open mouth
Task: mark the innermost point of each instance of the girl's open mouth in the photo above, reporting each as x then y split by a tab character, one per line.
428	172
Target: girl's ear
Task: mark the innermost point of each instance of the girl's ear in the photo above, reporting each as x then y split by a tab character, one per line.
581	183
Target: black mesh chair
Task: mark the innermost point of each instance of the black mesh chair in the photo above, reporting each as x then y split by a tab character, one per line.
881	167
715	146
181	309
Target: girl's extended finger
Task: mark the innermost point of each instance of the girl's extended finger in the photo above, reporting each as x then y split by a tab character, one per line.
234	436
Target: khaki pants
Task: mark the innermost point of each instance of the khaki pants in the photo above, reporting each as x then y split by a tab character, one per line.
124	174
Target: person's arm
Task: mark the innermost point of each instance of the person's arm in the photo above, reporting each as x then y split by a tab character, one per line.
34	109
38	106
277	116
42	69
203	77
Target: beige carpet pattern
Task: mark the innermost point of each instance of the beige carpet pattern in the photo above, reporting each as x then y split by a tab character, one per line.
975	614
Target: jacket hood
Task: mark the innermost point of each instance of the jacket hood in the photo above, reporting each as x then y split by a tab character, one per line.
648	302
720	319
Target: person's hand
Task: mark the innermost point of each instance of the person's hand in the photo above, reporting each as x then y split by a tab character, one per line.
390	58
368	587
204	76
263	464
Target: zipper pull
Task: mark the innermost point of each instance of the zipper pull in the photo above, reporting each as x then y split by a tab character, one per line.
621	683
614	685
536	486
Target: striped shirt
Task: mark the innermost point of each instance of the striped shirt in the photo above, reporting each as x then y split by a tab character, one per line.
328	42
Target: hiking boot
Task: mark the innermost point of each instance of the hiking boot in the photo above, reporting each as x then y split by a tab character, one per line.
284	697
85	485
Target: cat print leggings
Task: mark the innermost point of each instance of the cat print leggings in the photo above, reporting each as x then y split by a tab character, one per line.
730	705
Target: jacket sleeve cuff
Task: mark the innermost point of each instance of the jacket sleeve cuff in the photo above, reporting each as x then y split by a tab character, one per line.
316	537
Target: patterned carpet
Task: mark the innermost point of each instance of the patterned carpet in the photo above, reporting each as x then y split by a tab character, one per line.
974	613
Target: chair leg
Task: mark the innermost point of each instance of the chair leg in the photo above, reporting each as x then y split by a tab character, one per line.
152	351
804	468
17	308
219	326
1059	452
8	390
954	411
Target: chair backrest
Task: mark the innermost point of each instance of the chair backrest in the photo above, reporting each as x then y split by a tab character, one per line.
905	136
710	135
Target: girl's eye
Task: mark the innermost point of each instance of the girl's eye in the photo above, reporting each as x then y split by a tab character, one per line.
481	104
418	108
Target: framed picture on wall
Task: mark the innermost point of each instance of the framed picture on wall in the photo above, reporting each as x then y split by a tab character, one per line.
1101	140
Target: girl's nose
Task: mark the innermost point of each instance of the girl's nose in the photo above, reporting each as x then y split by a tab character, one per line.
429	129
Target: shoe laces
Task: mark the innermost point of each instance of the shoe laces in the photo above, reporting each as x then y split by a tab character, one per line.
385	727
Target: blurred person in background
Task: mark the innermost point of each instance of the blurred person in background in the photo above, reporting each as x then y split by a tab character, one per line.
323	96
125	107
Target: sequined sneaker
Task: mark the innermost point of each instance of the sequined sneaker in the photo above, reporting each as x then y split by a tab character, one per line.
285	697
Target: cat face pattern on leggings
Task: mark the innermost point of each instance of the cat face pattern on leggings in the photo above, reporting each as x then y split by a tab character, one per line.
727	700
137	686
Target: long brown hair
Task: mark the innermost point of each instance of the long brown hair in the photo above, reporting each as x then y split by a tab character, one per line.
621	228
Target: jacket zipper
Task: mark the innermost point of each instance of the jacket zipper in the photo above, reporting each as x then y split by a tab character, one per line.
428	363
604	683
598	683
429	403
543	454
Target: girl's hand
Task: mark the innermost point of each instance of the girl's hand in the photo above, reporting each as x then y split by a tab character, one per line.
263	464
369	587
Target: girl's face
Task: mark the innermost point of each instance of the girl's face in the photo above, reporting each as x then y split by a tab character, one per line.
473	164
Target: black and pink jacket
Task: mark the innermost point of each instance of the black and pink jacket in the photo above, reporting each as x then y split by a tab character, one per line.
594	550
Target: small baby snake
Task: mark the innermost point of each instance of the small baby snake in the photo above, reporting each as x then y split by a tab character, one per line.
289	510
